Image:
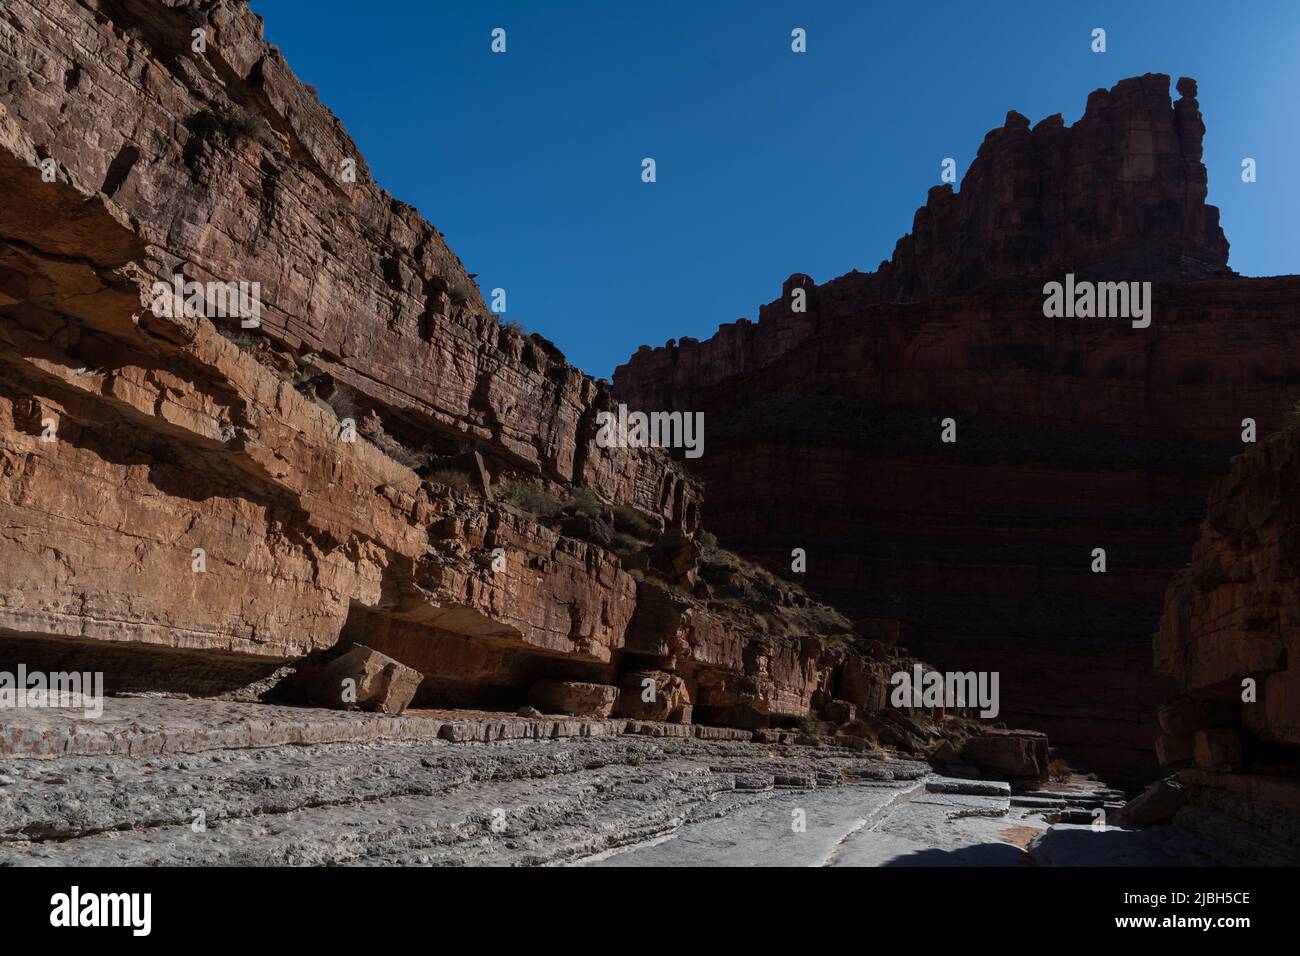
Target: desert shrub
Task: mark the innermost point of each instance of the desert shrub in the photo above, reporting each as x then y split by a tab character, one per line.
635	758
394	449
239	336
584	500
630	521
1058	770
541	502
451	477
513	490
626	544
461	291
241	122
340	400
708	539
515	326
809	724
529	496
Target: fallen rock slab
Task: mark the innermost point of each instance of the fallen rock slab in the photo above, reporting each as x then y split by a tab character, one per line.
1218	750
978	788
1158	803
578	698
1009	754
361	679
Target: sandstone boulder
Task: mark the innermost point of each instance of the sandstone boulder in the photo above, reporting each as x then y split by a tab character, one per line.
1009	754
1156	804
669	698
578	698
586	528
1186	715
362	678
1218	750
676	555
840	711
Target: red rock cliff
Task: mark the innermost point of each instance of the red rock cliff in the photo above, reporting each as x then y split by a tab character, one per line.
188	505
1229	642
823	428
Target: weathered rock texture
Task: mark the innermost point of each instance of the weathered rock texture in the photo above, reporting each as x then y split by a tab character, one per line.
1229	640
1234	614
356	789
824	428
183	504
1009	754
360	677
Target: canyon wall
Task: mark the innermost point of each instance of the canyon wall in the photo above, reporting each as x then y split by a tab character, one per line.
1231	615
187	504
825	428
1229	641
1118	195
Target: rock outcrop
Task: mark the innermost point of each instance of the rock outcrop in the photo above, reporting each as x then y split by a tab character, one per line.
1230	628
1009	754
826	427
192	496
1119	195
1229	640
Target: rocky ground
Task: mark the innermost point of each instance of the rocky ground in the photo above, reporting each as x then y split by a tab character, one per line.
159	781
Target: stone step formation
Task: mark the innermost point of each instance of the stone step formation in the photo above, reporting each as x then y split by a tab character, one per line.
361	789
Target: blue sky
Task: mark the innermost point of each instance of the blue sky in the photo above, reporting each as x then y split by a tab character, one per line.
768	162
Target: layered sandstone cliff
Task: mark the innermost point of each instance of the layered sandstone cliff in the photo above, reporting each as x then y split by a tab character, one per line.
1118	195
1230	632
1229	642
825	427
188	504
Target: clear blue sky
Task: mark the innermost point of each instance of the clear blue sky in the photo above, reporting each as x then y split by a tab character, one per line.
768	162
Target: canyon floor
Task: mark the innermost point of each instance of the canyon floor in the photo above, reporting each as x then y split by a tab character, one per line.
167	781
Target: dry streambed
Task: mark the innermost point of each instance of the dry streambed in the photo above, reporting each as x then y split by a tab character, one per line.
173	790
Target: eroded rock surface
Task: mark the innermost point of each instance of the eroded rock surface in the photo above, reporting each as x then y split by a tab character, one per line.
1229	642
187	504
163	781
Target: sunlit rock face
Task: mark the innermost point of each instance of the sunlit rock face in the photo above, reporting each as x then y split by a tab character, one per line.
189	503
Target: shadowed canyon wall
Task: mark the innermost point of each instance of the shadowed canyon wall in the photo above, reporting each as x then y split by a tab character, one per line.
824	427
1229	641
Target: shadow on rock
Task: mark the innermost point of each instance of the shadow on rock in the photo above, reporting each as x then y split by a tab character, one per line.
983	854
1066	845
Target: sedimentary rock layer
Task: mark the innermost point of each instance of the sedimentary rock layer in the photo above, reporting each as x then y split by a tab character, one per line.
1229	638
187	503
228	169
825	427
1121	193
